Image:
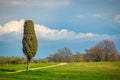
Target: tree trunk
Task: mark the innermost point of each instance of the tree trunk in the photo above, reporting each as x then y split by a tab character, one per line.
28	64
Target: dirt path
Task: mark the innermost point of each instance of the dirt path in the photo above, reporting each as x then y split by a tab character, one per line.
39	68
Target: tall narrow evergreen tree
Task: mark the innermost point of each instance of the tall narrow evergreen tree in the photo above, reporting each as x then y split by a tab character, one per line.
29	41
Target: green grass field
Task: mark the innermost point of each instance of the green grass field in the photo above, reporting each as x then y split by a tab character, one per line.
70	71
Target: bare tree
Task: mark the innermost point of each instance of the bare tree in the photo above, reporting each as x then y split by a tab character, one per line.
95	54
109	50
104	51
62	55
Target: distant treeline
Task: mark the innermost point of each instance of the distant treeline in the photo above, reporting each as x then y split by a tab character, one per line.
4	60
12	60
104	51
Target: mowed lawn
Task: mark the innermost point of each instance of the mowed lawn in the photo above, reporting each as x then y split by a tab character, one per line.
70	71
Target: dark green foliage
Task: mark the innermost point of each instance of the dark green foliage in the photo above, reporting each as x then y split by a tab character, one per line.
29	41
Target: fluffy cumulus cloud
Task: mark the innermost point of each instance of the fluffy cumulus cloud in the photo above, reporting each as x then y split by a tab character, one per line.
13	26
11	30
14	30
117	18
52	34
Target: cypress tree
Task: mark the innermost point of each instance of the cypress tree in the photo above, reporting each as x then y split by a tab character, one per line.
29	41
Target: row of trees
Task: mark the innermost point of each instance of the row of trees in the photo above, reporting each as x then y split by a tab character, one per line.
65	55
14	60
104	51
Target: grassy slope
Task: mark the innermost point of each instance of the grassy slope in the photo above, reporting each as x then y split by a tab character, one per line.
71	71
11	68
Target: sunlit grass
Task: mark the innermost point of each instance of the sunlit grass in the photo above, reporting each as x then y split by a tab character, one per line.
71	71
12	68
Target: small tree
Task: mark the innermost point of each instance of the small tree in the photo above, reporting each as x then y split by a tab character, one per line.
29	41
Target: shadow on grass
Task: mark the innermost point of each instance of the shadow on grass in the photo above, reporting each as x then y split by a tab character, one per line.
7	70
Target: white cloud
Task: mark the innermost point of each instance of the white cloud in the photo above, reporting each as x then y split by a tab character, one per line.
96	15
14	30
117	18
53	34
12	26
31	3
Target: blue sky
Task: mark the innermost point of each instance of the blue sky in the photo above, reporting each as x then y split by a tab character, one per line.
75	24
